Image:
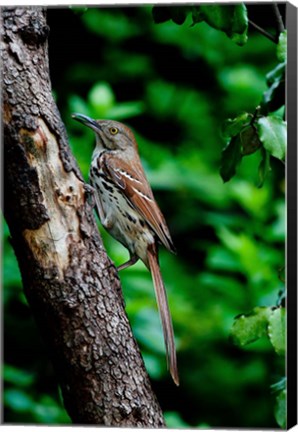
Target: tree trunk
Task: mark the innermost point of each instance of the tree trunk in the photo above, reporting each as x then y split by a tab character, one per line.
71	286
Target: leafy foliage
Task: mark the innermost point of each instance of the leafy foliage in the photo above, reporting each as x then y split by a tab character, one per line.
281	409
273	135
231	157
248	328
231	19
24	405
248	132
274	97
282	47
175	85
246	137
277	330
260	322
243	140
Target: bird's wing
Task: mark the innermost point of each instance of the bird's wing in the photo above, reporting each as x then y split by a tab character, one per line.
136	188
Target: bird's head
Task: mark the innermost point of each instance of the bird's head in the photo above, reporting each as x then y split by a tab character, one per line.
110	134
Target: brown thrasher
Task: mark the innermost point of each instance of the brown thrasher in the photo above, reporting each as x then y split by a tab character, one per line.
128	211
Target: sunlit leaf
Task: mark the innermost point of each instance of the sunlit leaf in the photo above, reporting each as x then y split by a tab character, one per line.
238	32
277	330
280	410
282	47
248	328
273	134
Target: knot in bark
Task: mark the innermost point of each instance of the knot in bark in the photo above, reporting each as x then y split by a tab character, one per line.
36	31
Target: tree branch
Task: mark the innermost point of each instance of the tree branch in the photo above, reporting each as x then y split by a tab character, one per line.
278	18
72	287
262	31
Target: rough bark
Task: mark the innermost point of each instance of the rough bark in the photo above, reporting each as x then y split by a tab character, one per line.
72	287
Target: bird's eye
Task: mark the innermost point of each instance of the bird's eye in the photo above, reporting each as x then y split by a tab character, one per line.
114	130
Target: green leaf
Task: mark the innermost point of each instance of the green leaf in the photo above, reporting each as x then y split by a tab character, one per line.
248	328
280	410
264	167
239	25
231	19
248	135
277	330
230	158
281	50
249	140
216	16
232	127
274	97
273	134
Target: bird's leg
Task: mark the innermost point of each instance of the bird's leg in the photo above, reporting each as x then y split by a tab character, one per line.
133	259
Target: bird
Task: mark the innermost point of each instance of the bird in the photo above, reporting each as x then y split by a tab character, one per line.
128	210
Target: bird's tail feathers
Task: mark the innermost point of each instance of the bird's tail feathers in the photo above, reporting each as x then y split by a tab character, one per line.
164	312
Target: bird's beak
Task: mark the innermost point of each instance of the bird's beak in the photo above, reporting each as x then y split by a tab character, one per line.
87	121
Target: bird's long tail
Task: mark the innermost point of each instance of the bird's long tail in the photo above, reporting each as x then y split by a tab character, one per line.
164	311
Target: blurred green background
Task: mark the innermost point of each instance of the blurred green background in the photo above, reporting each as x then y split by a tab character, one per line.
174	85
